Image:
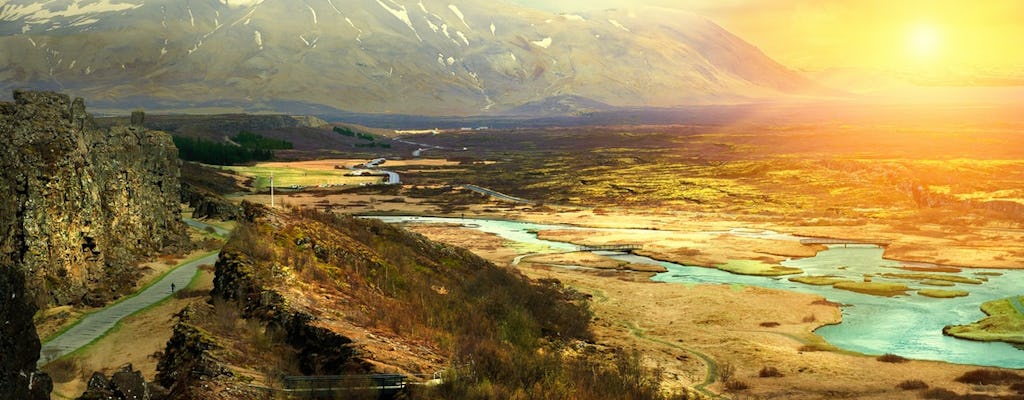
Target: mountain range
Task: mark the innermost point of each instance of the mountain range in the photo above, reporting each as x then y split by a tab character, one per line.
424	57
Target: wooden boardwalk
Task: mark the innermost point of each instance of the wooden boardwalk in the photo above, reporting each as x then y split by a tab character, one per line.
876	242
626	248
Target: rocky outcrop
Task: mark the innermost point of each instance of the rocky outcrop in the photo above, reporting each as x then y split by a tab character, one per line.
19	344
125	384
320	351
83	203
206	204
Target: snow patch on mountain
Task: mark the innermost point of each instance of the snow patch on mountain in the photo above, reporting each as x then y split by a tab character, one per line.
458	13
574	17
42	12
240	3
618	25
311	10
331	2
545	43
401	13
493	29
258	36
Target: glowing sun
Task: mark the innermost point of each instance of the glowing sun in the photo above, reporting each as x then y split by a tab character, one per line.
924	41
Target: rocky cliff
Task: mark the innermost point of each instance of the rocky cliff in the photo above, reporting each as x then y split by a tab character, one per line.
19	344
83	203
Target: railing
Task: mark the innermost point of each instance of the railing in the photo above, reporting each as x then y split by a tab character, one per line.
877	242
611	247
385	386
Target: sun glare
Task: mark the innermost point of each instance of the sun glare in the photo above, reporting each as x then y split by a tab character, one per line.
925	41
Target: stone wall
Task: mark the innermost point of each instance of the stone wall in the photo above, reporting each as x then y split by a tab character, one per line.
82	204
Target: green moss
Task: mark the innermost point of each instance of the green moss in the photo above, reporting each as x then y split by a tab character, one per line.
818	280
933	282
758	268
873	288
1004	323
943	294
935	277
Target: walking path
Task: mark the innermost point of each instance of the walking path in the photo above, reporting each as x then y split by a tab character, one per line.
498	195
97	324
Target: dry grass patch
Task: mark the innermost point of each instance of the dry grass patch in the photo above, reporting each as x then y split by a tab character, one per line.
818	280
758	268
943	294
887	289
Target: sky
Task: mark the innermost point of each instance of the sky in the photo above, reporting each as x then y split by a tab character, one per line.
955	41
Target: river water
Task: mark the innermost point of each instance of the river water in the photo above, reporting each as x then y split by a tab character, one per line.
910	326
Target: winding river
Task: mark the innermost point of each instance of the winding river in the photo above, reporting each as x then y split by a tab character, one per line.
910	326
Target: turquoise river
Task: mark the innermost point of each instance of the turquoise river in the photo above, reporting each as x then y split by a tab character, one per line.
910	326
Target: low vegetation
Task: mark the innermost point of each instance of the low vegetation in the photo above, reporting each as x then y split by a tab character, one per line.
873	288
892	358
505	336
943	294
912	384
1004	322
754	267
990	377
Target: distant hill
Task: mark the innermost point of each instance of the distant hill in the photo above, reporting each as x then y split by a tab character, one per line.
429	57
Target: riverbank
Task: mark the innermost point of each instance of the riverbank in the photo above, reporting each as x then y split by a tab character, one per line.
695	331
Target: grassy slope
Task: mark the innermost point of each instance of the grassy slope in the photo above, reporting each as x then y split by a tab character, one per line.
500	334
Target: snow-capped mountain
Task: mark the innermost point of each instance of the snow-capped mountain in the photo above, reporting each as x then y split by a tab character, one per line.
459	57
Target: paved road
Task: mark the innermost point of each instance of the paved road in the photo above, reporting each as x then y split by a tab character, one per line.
497	195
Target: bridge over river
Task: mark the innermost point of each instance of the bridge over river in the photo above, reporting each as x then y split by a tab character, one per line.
876	242
624	248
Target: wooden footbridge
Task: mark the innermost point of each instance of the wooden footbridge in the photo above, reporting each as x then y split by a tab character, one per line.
624	248
876	242
375	386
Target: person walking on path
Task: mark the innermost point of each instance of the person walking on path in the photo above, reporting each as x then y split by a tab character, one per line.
172	287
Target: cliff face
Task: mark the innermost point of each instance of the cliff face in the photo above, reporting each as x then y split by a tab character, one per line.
83	203
19	344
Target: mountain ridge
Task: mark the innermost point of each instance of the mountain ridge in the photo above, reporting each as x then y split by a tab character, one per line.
428	57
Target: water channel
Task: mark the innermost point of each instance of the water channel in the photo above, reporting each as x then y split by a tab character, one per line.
910	326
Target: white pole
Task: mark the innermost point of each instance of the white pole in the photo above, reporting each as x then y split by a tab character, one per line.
271	190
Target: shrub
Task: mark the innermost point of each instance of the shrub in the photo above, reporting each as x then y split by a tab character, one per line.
891	358
769	324
770	372
913	384
1018	387
989	377
735	385
939	393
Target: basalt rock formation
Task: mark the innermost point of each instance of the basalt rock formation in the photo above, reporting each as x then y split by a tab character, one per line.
83	203
19	344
